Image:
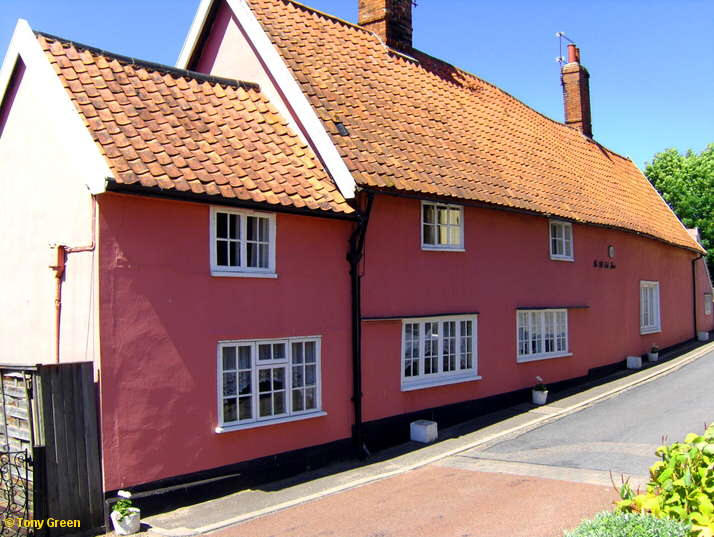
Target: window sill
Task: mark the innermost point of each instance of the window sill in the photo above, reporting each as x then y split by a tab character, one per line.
537	357
254	424
432	383
645	331
426	248
557	258
220	274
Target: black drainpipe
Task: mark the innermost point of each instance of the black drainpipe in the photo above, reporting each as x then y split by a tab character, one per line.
694	292
354	256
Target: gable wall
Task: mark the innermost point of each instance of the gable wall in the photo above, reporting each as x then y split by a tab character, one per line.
43	202
705	322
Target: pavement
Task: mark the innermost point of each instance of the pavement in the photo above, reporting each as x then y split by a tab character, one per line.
475	481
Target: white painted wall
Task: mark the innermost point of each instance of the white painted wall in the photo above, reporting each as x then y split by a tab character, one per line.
43	200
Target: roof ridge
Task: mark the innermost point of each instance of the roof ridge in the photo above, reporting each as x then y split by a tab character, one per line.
329	16
519	101
460	69
154	66
497	88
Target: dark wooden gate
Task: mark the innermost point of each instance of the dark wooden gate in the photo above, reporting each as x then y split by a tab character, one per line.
50	414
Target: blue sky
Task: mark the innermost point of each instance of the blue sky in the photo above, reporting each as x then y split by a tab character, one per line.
651	62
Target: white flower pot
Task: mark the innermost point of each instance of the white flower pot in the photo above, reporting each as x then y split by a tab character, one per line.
539	396
634	362
127	525
652	356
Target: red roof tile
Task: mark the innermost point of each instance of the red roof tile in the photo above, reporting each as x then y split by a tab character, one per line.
168	129
428	127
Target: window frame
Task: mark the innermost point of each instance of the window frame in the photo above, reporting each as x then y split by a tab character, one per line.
707	303
564	225
258	365
531	357
442	247
440	378
242	270
652	328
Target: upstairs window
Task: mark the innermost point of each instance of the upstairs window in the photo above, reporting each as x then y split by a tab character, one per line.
242	242
542	334
649	308
438	351
442	226
561	241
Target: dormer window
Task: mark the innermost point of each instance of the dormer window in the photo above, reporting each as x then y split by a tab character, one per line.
561	241
442	226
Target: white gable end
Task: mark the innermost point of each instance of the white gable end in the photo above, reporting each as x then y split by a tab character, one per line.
40	75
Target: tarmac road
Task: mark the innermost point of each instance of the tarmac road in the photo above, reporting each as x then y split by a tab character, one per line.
619	434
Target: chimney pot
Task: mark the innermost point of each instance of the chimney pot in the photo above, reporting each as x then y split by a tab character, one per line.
573	53
391	20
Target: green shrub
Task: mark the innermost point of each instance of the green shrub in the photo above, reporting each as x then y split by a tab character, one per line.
629	525
681	485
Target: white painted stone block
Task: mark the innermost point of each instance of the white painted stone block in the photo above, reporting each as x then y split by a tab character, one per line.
703	336
634	362
423	431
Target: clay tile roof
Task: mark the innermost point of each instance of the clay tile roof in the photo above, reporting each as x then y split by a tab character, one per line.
428	127
179	131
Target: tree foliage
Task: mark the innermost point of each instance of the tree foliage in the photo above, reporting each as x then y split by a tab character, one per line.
686	182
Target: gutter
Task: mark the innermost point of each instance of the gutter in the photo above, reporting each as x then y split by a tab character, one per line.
172	194
354	256
694	293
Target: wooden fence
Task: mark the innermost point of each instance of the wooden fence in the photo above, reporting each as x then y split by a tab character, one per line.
56	422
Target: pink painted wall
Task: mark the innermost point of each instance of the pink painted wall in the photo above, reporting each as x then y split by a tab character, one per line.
208	56
162	315
705	322
506	265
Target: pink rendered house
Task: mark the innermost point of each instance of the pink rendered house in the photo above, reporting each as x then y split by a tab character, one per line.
309	233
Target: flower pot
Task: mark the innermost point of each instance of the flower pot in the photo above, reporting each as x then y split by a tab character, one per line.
128	524
652	356
634	362
539	396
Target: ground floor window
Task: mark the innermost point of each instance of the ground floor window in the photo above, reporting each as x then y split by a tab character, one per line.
542	334
649	307
438	350
264	380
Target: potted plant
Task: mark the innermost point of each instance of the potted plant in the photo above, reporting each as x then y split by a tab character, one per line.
539	392
126	518
653	355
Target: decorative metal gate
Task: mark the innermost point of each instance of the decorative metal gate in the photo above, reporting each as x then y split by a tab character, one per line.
15	493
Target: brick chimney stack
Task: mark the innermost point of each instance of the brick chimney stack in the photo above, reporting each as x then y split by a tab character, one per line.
575	80
391	20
